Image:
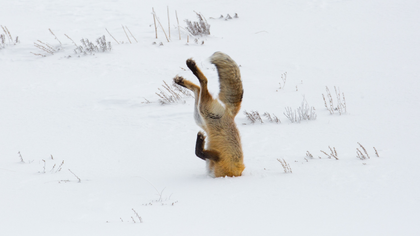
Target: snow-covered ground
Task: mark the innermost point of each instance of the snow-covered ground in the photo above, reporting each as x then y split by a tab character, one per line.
135	157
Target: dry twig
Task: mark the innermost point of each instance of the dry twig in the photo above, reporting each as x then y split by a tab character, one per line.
131	34
55	36
376	152
304	112
154	21
308	154
172	94
157	18
272	119
333	152
198	28
283	78
341	106
179	30
364	150
253	116
360	155
169	23
140	219
286	166
126	34
21	158
45	47
111	35
75	176
71	40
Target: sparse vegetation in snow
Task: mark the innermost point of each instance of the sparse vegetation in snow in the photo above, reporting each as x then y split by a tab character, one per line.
172	94
200	27
340	105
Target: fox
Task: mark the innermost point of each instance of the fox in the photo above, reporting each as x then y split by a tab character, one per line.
216	116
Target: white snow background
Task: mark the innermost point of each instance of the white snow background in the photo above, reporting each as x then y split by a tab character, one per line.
137	157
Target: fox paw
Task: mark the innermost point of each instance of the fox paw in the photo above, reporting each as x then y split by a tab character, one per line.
200	136
179	81
191	64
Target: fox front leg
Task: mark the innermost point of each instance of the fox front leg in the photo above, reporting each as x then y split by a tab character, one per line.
204	154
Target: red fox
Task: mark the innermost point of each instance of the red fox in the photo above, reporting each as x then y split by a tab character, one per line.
223	154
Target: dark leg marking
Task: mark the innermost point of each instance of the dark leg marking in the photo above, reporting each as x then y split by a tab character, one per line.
204	154
193	67
214	116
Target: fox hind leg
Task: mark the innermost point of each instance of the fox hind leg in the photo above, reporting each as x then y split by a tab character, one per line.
179	80
207	106
196	90
196	71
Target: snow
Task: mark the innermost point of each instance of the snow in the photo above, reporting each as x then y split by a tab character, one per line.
131	155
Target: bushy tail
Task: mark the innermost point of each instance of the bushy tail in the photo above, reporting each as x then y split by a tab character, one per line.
231	90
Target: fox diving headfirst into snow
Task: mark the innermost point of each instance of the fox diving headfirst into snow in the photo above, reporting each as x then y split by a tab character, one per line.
223	153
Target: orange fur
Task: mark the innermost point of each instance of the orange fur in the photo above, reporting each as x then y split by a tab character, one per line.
223	154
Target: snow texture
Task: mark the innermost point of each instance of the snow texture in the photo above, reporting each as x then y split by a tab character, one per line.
126	154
